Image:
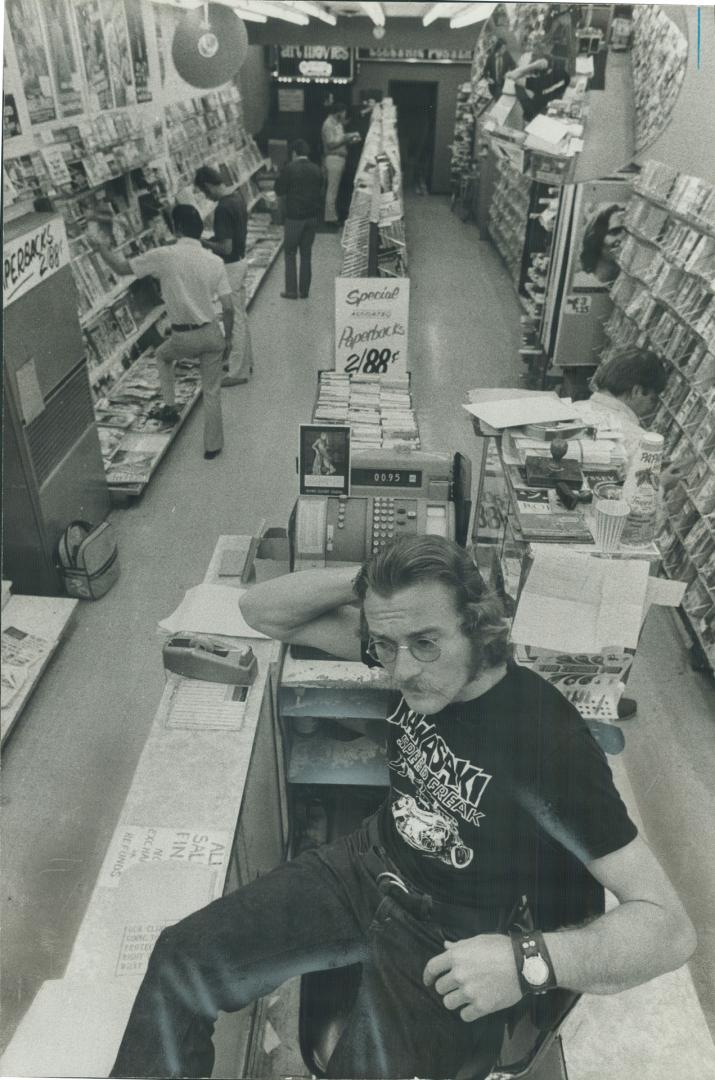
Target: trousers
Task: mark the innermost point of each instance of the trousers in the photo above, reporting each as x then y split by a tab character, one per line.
240	360
334	165
323	910
298	236
205	345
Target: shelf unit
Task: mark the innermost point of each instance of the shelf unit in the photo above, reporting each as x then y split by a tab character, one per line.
508	216
118	174
664	302
659	52
373	240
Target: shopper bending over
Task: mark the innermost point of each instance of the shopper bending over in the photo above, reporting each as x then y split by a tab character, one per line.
229	242
495	785
190	278
335	152
300	186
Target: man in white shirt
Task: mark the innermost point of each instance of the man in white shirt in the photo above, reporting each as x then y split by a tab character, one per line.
191	279
335	152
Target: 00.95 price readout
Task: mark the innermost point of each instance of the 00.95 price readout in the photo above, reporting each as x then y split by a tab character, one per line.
371	361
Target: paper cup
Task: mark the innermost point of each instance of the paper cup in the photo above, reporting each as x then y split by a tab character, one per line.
611	517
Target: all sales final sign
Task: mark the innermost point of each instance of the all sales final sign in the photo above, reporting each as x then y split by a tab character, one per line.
371	317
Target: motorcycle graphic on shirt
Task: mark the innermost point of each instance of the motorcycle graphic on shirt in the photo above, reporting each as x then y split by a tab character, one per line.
430	832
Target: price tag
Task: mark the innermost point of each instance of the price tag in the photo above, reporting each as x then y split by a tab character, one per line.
578	305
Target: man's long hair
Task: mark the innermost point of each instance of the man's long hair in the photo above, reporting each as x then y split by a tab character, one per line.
414	560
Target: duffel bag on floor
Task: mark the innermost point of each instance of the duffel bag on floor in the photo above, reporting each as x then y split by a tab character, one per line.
88	559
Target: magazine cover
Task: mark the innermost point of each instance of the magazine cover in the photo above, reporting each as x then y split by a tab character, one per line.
64	63
89	25
137	44
119	57
24	19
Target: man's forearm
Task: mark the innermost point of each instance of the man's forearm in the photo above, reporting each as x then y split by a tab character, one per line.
228	320
116	262
279	606
629	945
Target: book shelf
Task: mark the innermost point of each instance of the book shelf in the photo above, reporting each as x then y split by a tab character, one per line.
659	52
373	240
116	175
664	302
508	215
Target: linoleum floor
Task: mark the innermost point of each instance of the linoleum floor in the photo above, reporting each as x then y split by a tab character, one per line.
70	761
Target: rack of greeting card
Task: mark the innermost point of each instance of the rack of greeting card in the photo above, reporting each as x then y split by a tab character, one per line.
659	54
373	241
664	302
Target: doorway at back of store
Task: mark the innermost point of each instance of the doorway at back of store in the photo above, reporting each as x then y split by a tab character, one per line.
416	120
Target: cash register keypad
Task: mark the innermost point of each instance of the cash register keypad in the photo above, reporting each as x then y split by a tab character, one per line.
383	521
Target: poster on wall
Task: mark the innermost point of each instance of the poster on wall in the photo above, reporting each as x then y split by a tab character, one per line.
89	25
291	100
137	44
160	46
10	119
371	316
24	19
119	55
64	63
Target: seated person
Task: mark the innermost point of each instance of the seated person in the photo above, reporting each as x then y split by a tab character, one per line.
495	782
545	79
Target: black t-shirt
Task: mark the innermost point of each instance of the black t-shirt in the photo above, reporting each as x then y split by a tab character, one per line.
301	182
501	796
231	223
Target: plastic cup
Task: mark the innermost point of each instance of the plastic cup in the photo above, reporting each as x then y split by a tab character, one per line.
611	517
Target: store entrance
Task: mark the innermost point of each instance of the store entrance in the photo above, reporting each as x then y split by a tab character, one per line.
416	104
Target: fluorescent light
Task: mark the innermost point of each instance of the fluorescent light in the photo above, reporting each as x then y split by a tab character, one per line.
440	11
476	12
277	11
315	10
248	16
375	12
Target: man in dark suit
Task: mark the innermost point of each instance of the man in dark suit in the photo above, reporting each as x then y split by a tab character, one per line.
300	186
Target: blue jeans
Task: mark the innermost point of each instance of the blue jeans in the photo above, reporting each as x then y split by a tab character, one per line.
323	910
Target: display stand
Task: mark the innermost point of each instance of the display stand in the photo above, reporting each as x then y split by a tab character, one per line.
32	629
664	302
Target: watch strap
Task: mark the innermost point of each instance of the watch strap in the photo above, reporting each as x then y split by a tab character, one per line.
530	951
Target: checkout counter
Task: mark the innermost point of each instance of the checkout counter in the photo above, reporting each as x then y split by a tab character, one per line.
228	772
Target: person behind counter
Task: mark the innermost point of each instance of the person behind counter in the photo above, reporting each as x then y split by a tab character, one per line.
626	390
496	786
191	278
540	81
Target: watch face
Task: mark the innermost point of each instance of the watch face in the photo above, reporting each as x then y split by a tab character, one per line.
535	970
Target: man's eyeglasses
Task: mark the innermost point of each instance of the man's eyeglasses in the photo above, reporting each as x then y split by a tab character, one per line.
423	649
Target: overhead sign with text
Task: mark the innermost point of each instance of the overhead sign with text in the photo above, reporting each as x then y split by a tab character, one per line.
416	56
371	317
304	63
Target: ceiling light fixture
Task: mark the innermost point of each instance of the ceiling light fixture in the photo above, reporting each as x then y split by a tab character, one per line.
375	12
316	11
476	12
245	13
440	11
277	11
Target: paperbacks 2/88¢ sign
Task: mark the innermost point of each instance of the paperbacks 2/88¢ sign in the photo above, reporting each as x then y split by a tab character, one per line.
31	257
371	317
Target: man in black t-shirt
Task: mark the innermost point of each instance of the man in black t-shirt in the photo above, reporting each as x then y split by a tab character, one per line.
300	185
497	790
229	241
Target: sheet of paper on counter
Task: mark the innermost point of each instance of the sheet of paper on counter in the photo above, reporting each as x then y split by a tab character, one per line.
210	609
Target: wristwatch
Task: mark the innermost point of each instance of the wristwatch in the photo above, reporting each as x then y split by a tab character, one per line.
533	963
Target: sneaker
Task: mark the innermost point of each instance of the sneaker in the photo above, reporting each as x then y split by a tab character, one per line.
233	380
211	454
627	708
289	296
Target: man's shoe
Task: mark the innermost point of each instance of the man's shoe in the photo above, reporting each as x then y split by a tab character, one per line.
627	708
289	296
304	296
233	380
168	414
211	454
225	367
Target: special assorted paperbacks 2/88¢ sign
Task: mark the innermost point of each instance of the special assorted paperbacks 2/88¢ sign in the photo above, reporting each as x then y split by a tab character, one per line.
33	256
371	319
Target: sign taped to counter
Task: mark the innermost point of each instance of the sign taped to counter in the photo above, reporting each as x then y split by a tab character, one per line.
371	322
32	257
140	845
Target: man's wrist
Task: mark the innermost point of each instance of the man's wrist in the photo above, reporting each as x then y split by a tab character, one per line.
534	965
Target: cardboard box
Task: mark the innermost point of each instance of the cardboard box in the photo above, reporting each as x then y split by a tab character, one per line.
272	555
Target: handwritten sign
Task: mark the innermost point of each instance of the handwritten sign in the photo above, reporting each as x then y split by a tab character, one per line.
371	317
578	305
139	845
32	257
